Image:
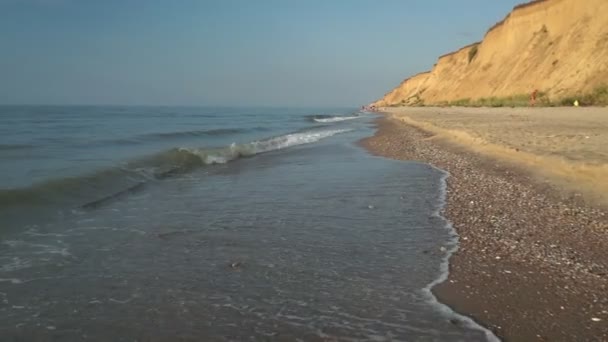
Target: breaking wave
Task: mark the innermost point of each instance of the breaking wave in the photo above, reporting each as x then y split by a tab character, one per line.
335	119
109	184
323	118
234	151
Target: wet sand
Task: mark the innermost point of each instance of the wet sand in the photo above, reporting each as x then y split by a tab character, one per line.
532	263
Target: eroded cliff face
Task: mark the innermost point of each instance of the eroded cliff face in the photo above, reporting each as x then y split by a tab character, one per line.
559	47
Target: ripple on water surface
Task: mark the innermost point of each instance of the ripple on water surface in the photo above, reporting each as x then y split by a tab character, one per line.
311	243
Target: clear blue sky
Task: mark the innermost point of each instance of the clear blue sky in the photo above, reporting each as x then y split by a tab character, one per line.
227	52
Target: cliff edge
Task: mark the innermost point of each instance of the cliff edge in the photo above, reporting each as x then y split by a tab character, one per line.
557	47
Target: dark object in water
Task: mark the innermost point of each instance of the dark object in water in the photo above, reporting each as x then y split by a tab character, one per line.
167	235
131	190
455	321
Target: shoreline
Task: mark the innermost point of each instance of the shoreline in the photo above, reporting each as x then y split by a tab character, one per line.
453	245
531	264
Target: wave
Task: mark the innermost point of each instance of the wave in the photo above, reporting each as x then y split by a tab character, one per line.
234	151
8	147
101	187
195	133
324	118
336	119
180	134
73	190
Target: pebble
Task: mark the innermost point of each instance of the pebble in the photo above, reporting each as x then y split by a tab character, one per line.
559	242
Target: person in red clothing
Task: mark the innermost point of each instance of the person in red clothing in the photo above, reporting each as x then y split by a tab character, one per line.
533	97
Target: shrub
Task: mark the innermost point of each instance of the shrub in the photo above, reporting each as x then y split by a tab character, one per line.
567	101
597	97
460	102
473	53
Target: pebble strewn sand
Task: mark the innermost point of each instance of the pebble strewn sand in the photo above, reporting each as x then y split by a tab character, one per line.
532	264
574	134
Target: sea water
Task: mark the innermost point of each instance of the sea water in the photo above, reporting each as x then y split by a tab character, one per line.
205	224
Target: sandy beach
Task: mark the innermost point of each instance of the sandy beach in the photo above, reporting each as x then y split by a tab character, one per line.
561	146
527	195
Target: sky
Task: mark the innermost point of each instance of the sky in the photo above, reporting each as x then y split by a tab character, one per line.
227	52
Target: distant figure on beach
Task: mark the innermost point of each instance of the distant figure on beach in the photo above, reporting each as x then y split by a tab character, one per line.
533	98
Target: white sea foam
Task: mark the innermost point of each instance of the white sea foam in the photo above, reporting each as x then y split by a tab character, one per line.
234	151
14	264
335	119
293	139
452	247
38	248
11	280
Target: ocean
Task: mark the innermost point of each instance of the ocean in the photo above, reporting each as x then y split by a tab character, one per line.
216	224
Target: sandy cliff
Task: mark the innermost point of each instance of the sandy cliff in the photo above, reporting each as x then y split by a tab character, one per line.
559	47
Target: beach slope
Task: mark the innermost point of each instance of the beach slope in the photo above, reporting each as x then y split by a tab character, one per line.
527	196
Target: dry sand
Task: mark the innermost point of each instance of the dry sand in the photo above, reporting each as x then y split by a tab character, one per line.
532	263
565	146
